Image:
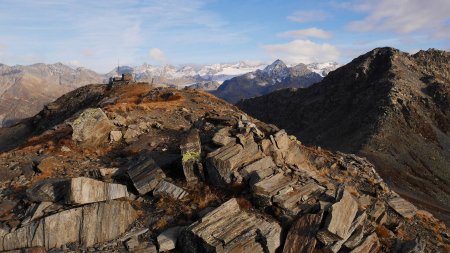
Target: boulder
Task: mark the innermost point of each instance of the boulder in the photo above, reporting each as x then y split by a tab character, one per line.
191	150
290	200
230	229
167	189
145	174
80	190
301	237
260	169
341	216
353	237
222	162
270	186
167	240
83	190
78	225
403	207
91	128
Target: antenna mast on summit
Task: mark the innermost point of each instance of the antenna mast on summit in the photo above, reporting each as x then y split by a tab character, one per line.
118	67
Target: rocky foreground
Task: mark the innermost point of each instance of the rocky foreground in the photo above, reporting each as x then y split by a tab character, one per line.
140	169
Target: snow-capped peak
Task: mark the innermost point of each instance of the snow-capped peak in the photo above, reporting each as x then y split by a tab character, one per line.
323	68
277	69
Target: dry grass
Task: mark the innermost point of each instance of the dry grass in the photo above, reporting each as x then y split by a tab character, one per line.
244	203
385	236
324	172
353	191
206	198
339	178
131	98
161	224
382	232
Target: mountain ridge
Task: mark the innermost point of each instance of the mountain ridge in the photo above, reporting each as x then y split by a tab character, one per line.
389	106
170	167
25	89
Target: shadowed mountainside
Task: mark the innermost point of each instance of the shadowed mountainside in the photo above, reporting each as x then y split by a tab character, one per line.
392	107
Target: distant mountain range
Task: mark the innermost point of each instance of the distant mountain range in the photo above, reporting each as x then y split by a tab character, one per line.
273	77
24	90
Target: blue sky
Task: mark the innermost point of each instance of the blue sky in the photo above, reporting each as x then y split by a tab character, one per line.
96	34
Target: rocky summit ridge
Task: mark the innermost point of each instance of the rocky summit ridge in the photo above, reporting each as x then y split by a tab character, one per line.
135	168
386	105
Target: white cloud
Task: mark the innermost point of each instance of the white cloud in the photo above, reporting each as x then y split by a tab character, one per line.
404	16
157	55
99	33
308	16
303	51
307	33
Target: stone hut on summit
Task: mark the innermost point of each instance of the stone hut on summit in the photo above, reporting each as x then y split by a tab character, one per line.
124	79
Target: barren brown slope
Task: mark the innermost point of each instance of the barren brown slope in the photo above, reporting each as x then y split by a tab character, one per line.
389	106
24	90
134	168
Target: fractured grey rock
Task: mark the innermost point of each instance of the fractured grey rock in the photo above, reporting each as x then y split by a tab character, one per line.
167	240
35	211
222	137
168	189
341	216
191	150
230	229
48	190
80	190
145	174
269	187
290	200
356	224
258	170
80	225
91	128
222	162
403	207
83	190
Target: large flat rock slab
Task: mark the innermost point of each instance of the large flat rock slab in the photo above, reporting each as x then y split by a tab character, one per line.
341	216
85	190
230	229
168	189
145	174
80	190
403	207
86	225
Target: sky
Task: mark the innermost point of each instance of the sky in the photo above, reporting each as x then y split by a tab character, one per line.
100	34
